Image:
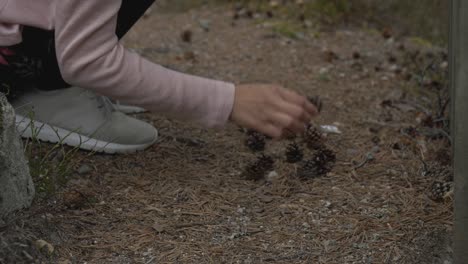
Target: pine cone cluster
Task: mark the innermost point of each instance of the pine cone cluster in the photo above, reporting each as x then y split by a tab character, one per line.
441	190
319	164
258	170
294	153
255	141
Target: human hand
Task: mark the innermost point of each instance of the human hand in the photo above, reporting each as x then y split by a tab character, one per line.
271	109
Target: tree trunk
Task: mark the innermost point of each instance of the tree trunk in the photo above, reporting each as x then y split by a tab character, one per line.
459	122
16	186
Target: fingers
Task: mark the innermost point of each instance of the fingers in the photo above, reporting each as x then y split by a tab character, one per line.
295	111
271	130
287	123
296	106
298	100
271	110
265	126
288	112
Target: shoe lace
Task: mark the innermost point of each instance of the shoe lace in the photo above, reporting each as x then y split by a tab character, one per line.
106	103
103	102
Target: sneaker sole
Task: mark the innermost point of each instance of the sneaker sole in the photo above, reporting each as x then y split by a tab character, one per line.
52	134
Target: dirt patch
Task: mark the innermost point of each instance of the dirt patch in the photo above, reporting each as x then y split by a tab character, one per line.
183	200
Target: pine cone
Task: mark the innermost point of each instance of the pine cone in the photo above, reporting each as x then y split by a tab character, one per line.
441	190
266	162
317	101
249	132
253	173
319	165
313	137
257	170
293	153
436	171
255	141
309	170
325	156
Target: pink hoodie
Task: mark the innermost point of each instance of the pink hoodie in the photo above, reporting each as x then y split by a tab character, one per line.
90	56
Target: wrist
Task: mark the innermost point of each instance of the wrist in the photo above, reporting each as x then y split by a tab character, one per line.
234	102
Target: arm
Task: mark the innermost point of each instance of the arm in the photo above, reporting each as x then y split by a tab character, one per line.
90	56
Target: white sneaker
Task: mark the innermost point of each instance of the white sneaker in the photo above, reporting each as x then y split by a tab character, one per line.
79	118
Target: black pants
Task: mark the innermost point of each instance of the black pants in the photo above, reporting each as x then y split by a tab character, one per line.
33	63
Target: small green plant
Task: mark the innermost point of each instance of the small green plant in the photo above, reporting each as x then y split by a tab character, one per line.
51	168
330	11
421	42
50	165
288	30
323	77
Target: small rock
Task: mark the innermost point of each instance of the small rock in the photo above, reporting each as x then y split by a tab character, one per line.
84	169
266	199
205	24
274	3
308	23
257	15
444	65
375	149
327	204
44	246
272	176
394	68
241	210
323	71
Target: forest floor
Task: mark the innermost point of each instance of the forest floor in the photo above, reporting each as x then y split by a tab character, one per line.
184	201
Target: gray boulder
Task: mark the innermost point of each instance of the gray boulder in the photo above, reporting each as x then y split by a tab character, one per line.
16	185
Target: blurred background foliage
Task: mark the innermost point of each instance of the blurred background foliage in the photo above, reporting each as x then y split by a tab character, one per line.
424	19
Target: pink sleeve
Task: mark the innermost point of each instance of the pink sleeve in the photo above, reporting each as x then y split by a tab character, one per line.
91	57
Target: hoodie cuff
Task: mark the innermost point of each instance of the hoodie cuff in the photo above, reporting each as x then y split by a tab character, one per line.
219	115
